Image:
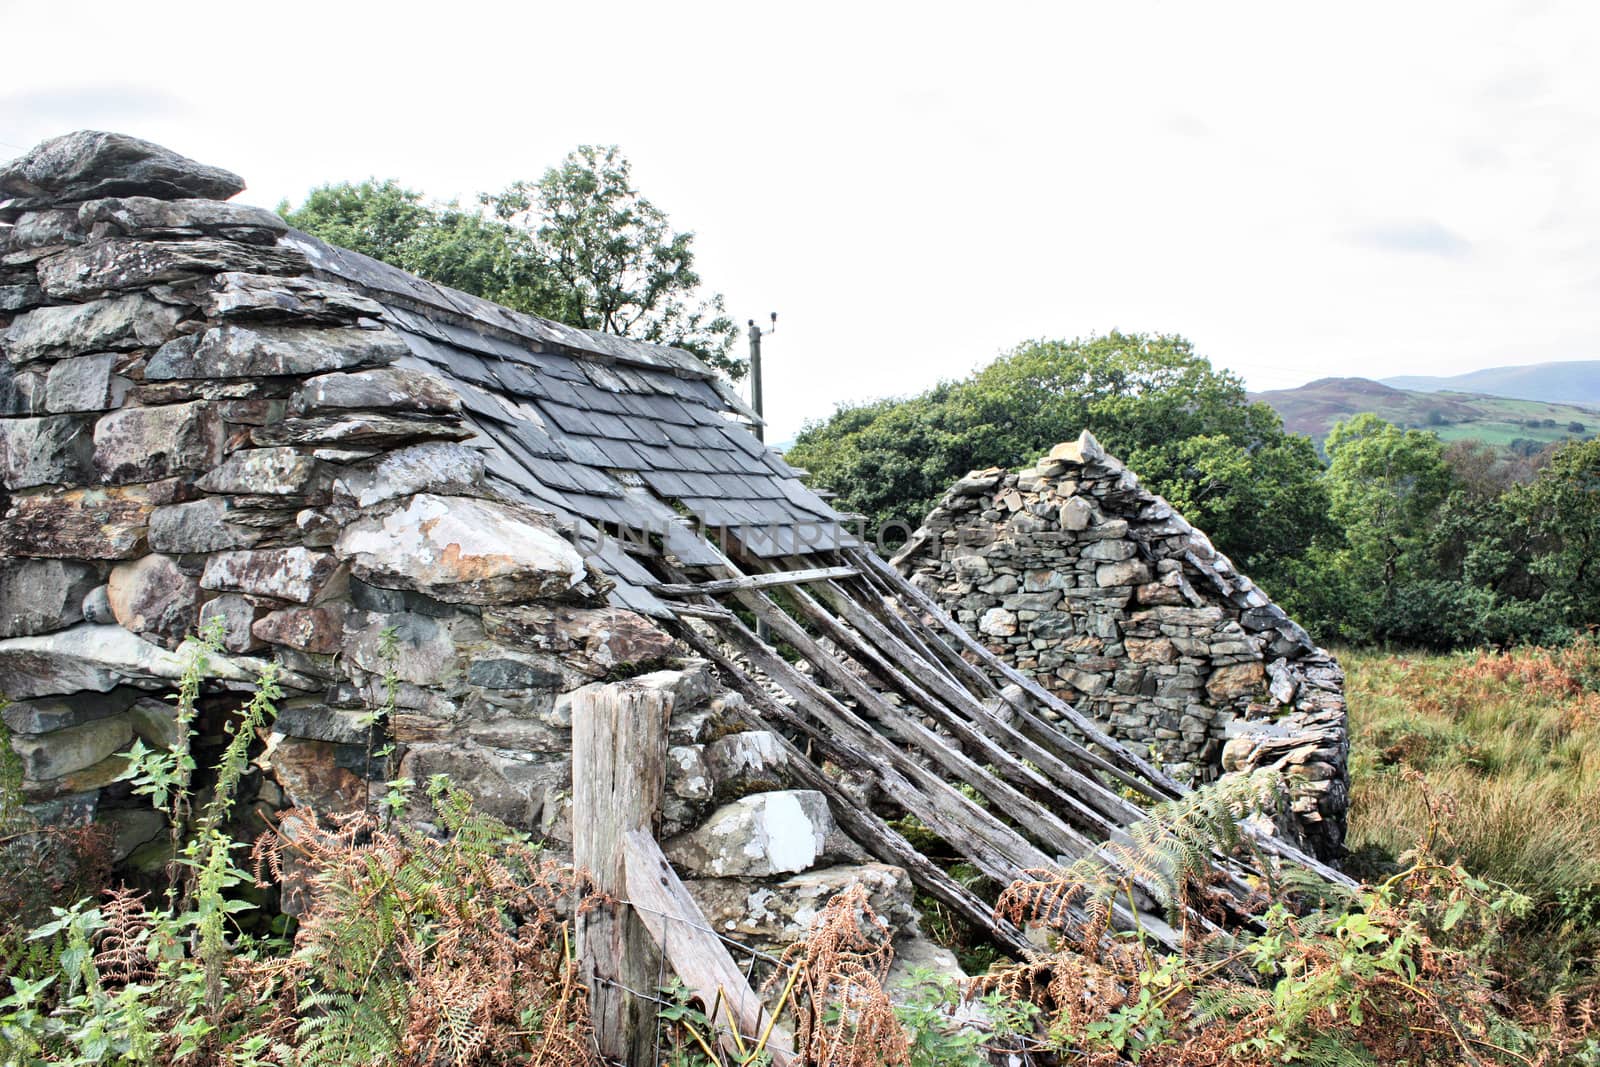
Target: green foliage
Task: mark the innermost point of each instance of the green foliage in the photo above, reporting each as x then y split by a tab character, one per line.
1189	430
581	245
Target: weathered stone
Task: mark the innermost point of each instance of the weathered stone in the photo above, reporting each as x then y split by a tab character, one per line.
776	913
780	832
99	658
424	651
1128	572
512	671
1157	650
144	216
117	324
1236	680
361	428
52	755
85	383
437	467
51	450
1084	450
146	444
20	297
198	526
998	622
237	616
97	606
119	264
261	472
152	595
154	721
48	714
1076	514
381	388
319	630
248	351
38	596
310	776
89	163
463	551
296	574
978	483
750	761
515	790
130	828
48	229
268	298
78	524
315	721
1113	551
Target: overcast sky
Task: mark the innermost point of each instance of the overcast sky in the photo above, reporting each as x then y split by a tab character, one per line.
1302	190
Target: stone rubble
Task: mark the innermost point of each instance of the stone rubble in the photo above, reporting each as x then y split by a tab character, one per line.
1097	588
196	432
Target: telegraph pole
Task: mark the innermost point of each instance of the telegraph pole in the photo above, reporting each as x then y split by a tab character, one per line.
755	372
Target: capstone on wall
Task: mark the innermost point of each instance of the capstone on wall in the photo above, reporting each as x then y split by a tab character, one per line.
1074	573
197	433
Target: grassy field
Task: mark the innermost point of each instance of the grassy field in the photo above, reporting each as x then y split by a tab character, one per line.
1495	758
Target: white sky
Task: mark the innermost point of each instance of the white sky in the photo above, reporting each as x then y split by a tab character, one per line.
1302	190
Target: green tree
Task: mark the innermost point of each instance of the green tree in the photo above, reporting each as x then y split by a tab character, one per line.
581	246
1557	519
614	260
1190	431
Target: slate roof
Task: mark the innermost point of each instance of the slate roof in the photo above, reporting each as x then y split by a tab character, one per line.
603	431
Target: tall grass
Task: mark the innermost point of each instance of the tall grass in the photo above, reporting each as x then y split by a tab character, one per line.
1495	756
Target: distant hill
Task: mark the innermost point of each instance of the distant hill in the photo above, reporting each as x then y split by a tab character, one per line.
1572	382
1312	409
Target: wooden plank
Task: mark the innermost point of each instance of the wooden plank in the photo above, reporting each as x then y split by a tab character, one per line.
696	955
718	586
619	752
863	824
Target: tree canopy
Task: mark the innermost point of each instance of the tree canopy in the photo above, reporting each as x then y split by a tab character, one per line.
1189	429
581	245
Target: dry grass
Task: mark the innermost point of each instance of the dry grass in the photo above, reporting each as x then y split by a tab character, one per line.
1512	740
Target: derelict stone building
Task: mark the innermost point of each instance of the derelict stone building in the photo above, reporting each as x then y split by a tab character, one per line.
211	422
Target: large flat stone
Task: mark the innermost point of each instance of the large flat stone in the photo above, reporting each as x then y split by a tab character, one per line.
90	163
515	790
781	832
463	551
261	471
78	524
116	324
147	444
198	526
85	383
118	264
41	595
778	913
48	714
442	468
52	450
100	658
296	574
153	595
241	297
75	748
382	388
146	216
591	641
233	351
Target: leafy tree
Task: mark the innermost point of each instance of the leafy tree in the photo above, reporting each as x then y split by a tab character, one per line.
615	262
1190	430
1557	518
581	246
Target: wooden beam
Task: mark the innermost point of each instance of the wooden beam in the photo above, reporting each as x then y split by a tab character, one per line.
718	586
697	955
619	753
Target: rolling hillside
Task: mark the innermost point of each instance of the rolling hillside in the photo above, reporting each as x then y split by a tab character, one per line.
1570	382
1313	409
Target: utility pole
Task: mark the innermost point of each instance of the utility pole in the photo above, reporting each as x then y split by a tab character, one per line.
755	372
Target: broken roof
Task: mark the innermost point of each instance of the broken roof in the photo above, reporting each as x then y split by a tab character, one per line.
630	442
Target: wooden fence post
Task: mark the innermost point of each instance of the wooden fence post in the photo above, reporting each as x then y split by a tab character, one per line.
619	751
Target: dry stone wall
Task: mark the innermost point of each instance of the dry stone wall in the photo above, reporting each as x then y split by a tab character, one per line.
196	433
1078	575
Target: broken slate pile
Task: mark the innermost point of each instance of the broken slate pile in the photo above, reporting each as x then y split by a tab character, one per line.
1101	591
202	429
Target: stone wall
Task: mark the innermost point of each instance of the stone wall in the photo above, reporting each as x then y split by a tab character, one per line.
195	433
1101	591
